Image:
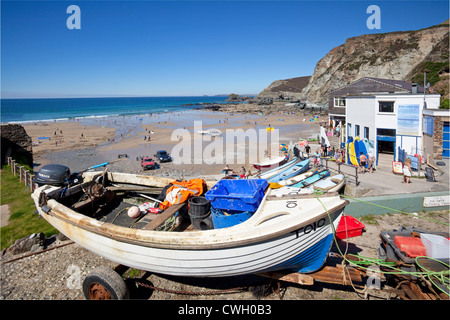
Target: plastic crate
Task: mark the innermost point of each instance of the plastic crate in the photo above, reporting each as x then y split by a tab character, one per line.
388	249
227	218
437	246
349	227
411	246
237	195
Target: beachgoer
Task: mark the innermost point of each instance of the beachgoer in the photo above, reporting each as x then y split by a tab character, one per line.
363	161
226	170
296	151
371	163
307	150
316	157
407	172
242	172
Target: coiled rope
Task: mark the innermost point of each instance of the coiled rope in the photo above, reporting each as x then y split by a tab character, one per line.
442	277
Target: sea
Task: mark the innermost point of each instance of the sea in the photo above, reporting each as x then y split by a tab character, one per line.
60	109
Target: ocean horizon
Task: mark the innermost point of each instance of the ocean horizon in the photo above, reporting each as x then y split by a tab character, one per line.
63	109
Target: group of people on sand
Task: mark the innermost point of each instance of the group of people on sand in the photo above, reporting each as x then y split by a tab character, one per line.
242	172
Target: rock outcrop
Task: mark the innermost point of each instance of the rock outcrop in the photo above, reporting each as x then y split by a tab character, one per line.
282	90
16	143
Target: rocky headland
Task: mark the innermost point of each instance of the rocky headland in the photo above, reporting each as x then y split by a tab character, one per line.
402	55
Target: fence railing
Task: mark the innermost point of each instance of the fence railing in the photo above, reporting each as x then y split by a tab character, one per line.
347	169
25	176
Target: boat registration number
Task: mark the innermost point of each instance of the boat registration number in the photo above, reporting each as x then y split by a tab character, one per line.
310	227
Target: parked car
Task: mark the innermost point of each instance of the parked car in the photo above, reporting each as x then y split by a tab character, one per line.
148	163
163	156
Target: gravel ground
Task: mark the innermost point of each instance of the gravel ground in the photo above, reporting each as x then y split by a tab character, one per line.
57	274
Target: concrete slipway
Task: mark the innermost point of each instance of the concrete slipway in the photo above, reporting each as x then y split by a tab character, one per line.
383	192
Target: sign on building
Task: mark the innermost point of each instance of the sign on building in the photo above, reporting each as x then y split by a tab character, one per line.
408	120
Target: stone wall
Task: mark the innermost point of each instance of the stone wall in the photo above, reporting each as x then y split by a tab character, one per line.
438	130
16	143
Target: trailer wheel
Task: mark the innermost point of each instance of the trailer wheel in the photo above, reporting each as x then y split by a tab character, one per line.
104	284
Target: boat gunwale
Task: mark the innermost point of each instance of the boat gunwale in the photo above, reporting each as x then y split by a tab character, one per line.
153	238
104	231
144	237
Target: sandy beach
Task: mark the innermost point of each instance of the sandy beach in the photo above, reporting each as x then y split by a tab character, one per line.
121	140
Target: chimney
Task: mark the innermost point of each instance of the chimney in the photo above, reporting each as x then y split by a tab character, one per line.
414	88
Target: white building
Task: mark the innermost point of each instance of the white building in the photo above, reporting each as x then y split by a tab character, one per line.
390	120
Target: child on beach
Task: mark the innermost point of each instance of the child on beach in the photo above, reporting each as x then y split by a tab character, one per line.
407	172
316	158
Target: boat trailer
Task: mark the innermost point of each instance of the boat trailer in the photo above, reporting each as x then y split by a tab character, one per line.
106	283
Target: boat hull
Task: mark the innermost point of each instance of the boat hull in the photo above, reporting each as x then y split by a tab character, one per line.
291	172
302	250
274	171
290	233
270	164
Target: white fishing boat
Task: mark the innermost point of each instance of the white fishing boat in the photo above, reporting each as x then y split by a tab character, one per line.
274	171
332	183
296	179
270	163
291	233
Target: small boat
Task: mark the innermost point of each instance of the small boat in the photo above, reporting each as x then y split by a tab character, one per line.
270	163
292	171
283	234
297	178
310	180
270	173
332	183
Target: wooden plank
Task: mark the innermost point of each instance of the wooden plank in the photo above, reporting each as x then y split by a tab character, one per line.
329	274
298	278
421	295
164	216
142	189
409	293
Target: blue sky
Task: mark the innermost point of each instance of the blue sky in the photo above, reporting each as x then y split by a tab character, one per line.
170	48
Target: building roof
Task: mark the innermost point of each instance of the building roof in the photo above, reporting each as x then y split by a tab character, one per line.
399	84
376	85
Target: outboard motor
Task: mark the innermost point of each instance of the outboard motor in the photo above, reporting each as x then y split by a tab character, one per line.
54	175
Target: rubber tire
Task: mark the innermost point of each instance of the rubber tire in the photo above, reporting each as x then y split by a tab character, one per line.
109	279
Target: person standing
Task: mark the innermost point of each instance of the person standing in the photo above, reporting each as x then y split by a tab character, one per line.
407	171
307	150
363	162
316	158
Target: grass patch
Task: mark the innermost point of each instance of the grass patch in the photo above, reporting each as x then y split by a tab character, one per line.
22	221
369	219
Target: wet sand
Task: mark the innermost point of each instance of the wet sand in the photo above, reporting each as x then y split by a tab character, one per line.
88	142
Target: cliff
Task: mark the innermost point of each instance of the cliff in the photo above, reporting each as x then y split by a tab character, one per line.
396	55
283	90
403	55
